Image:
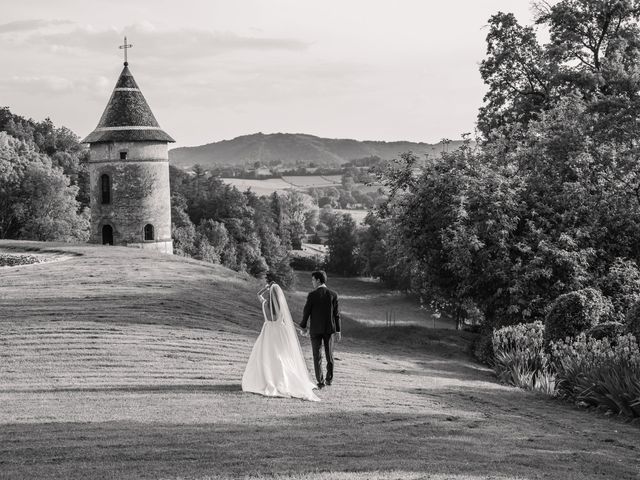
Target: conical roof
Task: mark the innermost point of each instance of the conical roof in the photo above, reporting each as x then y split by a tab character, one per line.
127	117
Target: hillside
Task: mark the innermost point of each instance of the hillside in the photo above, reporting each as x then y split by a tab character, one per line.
290	148
124	364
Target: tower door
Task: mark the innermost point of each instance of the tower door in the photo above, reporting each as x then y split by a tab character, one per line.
107	235
148	232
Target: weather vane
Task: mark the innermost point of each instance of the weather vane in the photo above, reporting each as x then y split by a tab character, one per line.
125	47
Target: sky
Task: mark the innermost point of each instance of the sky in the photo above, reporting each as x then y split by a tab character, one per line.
216	69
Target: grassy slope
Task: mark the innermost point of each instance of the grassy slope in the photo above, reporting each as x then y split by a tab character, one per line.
117	363
370	303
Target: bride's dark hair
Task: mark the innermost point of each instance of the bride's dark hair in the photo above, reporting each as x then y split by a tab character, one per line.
270	276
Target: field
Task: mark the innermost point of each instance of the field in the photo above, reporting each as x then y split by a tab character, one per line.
119	363
317	181
268	186
301	182
259	187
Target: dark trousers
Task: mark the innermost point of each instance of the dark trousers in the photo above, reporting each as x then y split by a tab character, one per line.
316	343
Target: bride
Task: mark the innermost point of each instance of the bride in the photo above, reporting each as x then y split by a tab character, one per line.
276	367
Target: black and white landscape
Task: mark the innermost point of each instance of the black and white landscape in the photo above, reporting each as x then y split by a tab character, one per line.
466	174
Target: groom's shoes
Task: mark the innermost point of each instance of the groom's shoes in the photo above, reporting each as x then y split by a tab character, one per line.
327	383
321	385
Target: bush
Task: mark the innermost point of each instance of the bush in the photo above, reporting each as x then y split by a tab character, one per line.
9	260
519	357
482	349
622	285
307	263
315	238
283	274
573	313
632	324
610	330
600	373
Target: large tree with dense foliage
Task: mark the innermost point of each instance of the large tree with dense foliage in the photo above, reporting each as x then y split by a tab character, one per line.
342	242
43	183
593	52
381	252
549	201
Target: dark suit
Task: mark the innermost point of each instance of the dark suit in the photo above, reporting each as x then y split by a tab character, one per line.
322	308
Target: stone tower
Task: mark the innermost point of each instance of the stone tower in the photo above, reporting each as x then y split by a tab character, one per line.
129	173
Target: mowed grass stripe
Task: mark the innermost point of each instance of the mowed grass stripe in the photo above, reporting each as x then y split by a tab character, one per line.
91	354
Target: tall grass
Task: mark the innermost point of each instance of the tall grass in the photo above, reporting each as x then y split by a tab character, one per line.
600	373
520	359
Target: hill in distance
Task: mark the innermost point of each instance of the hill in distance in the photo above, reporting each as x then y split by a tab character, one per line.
294	148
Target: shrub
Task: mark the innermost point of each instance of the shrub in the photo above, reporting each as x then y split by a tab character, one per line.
9	260
575	312
600	373
632	324
482	349
519	357
622	285
315	238
283	273
610	330
307	263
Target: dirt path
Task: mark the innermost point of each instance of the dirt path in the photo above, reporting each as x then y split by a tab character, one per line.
124	364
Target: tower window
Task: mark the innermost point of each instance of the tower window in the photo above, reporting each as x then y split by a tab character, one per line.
105	189
148	232
123	155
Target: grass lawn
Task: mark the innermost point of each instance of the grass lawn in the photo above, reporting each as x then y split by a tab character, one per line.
370	303
119	363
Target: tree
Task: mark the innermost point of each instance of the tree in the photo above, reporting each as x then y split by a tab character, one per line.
217	239
593	52
342	243
595	43
347	181
293	207
59	145
37	201
183	231
517	74
381	253
49	210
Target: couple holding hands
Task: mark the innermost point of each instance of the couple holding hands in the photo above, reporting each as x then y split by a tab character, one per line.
276	366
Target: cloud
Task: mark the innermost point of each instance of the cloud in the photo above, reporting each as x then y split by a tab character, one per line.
52	84
30	25
183	43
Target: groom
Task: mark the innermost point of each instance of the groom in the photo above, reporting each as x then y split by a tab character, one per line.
322	308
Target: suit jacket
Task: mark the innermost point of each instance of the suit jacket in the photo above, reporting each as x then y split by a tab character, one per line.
322	308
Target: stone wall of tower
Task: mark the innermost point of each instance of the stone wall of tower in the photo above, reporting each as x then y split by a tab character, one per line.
139	193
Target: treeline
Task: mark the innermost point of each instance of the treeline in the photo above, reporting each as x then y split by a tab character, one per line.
547	202
43	181
279	169
215	222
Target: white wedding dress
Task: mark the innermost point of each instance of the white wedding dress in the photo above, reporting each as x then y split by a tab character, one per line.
276	366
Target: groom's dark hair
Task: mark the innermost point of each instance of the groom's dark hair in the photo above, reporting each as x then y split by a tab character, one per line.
320	276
